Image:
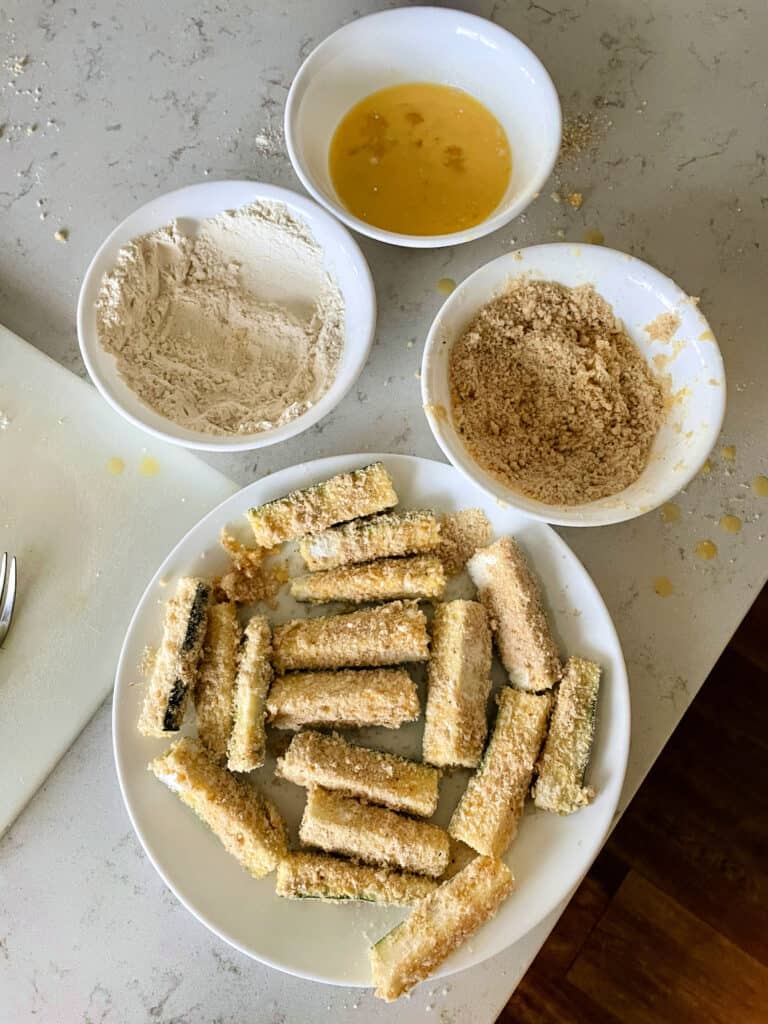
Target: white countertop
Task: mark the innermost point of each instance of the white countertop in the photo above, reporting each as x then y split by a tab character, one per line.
122	99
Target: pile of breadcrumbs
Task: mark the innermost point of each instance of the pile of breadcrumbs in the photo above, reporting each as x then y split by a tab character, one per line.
551	396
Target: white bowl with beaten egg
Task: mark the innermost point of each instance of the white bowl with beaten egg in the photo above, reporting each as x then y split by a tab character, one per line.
342	260
688	364
425	45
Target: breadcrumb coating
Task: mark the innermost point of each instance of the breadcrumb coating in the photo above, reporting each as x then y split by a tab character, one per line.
459	683
385	635
336	500
489	812
389	579
174	669
247	823
438	925
512	597
343	824
564	759
315	759
334	879
386	697
386	535
216	679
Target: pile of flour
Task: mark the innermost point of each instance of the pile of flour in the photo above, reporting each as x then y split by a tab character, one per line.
233	330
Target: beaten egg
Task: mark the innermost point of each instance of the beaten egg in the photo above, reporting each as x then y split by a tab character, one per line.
420	159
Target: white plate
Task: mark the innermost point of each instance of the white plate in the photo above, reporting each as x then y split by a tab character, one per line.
329	942
638	293
343	261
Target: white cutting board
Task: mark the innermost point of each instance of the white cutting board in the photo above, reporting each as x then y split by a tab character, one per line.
87	540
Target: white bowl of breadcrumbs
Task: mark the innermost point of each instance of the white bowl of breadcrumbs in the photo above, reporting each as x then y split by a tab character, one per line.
574	383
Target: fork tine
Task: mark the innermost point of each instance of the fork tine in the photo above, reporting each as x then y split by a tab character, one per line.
6	614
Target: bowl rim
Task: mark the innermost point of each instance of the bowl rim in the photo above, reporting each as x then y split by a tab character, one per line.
579	515
491	223
88	340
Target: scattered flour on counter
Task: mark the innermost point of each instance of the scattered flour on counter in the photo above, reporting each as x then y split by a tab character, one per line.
233	330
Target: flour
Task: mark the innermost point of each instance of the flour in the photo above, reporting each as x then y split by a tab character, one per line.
233	330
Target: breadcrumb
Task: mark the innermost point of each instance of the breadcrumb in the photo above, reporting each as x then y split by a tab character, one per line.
461	534
249	581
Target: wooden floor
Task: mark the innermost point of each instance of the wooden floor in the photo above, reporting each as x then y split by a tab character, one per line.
671	924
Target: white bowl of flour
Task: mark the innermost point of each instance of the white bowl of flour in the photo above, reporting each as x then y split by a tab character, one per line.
226	316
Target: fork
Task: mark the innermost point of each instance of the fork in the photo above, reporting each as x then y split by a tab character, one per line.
7	594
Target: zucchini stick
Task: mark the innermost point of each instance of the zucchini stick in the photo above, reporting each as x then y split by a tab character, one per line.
459	684
302	876
389	579
385	697
385	635
175	670
216	679
438	925
564	759
247	823
383	536
342	824
512	597
315	759
248	740
344	496
488	813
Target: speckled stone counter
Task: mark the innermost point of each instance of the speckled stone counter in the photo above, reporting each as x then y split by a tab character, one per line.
106	103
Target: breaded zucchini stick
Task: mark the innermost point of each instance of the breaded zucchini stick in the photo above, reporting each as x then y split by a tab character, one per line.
511	594
248	739
389	579
175	670
385	697
385	635
564	759
318	876
344	496
342	824
216	679
247	823
438	925
316	759
363	540
459	683
488	813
